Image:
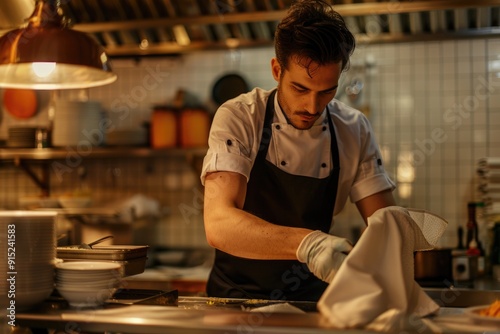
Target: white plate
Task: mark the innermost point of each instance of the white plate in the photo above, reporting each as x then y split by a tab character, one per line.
86	274
27	299
88	266
473	313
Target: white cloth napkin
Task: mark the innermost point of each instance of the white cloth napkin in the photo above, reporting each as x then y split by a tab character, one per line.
487	187
489	162
375	287
489	175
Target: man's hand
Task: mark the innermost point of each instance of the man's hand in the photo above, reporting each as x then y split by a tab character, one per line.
323	253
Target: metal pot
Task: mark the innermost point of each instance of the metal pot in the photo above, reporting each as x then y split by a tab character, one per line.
433	267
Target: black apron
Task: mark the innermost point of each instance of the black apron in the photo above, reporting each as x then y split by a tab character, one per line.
283	199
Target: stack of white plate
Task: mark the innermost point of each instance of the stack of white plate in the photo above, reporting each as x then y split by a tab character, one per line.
78	123
27	255
87	283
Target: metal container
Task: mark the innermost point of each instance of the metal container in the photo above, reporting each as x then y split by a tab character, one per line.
433	267
131	258
111	253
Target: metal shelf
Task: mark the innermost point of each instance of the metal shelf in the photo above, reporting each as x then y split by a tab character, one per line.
23	157
42	154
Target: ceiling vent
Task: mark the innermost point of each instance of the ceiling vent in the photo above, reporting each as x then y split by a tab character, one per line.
159	27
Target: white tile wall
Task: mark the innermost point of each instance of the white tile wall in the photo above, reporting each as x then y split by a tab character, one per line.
435	102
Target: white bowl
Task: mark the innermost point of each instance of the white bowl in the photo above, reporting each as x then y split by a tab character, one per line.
106	283
86	297
86	287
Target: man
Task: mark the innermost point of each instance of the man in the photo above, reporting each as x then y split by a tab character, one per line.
281	163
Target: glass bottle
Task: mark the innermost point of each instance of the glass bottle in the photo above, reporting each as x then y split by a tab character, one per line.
471	226
460	237
473	244
484	234
495	252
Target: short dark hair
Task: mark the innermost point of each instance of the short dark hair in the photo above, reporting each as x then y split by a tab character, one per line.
313	29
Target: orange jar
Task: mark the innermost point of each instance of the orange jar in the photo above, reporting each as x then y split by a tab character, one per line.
164	128
194	125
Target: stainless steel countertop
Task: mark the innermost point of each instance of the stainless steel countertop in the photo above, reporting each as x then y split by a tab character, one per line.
200	315
462	297
482	291
148	319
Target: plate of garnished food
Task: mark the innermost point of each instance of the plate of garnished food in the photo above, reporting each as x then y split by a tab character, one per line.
485	314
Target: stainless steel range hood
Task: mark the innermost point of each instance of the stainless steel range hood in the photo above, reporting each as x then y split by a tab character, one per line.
160	27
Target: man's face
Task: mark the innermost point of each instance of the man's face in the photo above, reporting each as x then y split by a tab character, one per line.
303	96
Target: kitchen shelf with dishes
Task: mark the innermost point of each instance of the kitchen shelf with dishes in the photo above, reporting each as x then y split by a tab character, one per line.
24	157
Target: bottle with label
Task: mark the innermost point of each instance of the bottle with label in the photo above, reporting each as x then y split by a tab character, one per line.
495	252
485	228
460	237
474	247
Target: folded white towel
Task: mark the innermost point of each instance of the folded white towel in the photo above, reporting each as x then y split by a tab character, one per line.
492	206
490	175
375	287
491	211
489	187
489	162
491	197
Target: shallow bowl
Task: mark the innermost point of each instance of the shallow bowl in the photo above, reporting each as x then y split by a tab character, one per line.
86	297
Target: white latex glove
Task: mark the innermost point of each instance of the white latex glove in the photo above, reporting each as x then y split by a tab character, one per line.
323	253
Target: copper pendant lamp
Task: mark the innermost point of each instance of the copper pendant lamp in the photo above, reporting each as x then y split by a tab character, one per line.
46	54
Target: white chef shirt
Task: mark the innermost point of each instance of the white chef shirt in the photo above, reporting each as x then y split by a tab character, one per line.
236	133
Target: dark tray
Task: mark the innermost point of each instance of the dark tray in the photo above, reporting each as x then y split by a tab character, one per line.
110	253
145	297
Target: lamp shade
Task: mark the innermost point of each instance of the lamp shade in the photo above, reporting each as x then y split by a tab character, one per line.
46	54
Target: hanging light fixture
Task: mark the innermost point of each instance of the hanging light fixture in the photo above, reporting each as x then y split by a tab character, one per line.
47	54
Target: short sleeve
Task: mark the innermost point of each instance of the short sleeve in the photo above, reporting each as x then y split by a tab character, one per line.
235	134
371	176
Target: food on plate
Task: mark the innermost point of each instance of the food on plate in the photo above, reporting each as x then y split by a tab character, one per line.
492	311
216	300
